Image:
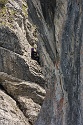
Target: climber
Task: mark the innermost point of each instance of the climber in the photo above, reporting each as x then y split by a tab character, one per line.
34	54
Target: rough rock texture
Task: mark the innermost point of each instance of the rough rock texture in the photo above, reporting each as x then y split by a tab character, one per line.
29	89
12	60
16	37
21	78
29	96
60	34
9	112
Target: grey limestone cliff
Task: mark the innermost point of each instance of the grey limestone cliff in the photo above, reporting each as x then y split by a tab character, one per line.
22	82
56	27
60	34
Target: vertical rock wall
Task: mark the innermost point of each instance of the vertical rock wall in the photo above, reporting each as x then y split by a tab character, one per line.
70	60
60	31
20	96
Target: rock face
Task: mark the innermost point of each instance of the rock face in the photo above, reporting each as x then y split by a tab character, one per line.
12	59
29	96
22	82
56	28
60	26
9	112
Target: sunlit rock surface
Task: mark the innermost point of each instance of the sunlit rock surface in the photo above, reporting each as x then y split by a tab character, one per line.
21	78
10	114
57	28
60	34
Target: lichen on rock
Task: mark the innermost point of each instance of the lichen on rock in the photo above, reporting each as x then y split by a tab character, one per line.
23	75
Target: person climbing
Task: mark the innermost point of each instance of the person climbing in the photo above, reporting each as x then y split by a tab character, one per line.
34	54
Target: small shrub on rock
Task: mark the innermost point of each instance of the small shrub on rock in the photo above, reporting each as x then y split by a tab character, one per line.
3	2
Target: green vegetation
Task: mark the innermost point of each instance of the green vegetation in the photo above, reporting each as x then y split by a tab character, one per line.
13	12
3	2
3	12
7	16
24	9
